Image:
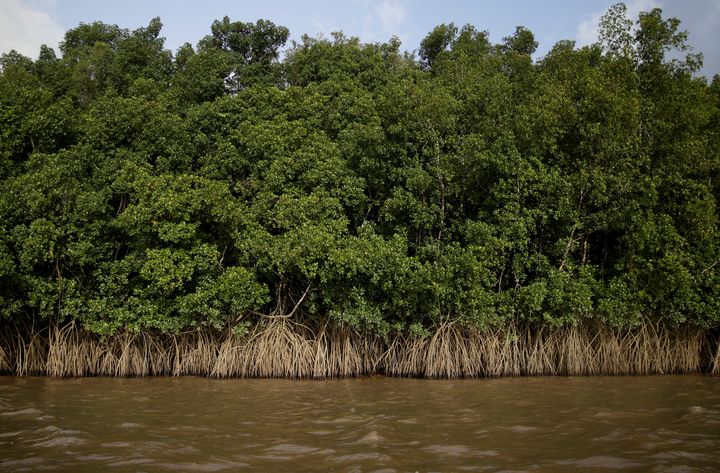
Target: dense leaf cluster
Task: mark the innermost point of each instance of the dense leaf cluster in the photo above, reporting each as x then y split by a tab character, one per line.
143	190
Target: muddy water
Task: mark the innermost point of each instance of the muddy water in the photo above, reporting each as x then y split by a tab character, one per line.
668	423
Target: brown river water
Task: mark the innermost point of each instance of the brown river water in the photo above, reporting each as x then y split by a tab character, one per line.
655	423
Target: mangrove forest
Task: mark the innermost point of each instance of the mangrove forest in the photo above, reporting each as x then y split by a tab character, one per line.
252	206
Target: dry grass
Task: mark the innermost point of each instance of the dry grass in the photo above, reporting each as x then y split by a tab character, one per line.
193	353
280	347
715	363
277	348
342	352
31	353
5	351
454	351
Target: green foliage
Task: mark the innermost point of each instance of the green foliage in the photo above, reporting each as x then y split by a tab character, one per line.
143	190
250	51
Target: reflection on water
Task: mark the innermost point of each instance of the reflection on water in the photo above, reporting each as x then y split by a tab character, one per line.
662	424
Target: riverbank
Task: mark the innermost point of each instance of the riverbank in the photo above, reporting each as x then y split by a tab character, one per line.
281	348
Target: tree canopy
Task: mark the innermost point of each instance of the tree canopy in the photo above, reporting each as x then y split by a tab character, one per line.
149	191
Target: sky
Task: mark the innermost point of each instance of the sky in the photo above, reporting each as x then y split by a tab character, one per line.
26	24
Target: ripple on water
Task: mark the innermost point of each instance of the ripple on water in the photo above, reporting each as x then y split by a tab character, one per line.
53	429
611	414
674	454
371	438
341	420
11	434
615	435
522	428
53	436
21	463
361	457
607	462
30	412
623	426
290	449
61	441
411	420
459	451
116	444
131	425
130	462
678	469
96	458
212	466
321	433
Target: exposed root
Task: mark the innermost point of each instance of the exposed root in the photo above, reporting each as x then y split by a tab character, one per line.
715	364
280	347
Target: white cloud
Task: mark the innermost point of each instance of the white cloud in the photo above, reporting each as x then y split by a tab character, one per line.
587	30
325	26
390	14
383	20
25	26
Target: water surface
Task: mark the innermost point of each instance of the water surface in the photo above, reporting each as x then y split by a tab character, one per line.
661	424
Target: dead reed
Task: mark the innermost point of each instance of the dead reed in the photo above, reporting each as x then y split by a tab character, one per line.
281	347
715	363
